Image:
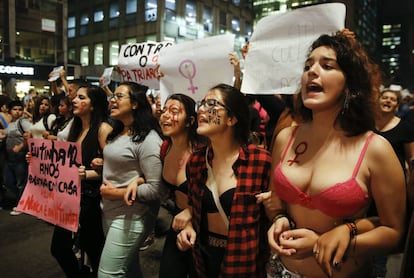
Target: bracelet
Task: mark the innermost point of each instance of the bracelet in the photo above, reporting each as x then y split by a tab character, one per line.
292	224
352	227
86	175
353	232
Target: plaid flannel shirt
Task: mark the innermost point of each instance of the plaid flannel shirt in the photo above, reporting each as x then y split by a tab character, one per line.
247	246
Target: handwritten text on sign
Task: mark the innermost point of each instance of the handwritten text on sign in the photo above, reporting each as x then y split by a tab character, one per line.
279	45
53	190
137	62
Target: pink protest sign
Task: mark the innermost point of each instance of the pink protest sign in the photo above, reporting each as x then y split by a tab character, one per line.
53	190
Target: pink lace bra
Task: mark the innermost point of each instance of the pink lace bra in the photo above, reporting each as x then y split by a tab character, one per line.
339	201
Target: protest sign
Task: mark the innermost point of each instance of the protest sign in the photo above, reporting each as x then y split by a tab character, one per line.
52	192
106	76
193	67
137	62
279	45
55	74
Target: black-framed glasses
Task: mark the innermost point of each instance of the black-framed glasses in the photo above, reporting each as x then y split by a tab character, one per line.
118	96
211	103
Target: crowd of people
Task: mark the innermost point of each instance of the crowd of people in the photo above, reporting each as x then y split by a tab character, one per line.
316	184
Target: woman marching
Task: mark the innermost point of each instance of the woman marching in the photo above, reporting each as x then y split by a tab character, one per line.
131	154
227	229
327	170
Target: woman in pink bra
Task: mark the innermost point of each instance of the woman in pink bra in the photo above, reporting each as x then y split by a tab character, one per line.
327	170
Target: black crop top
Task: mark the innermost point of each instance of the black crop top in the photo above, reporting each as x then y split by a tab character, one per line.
183	187
226	199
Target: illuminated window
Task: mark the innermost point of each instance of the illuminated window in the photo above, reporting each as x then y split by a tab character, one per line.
131	40
98	54
190	13
235	25
150	10
114	10
170	10
71	27
207	20
84	20
98	16
248	29
131	6
113	53
84	55
114	15
71	55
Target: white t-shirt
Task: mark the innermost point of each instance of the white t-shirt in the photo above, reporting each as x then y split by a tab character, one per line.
38	127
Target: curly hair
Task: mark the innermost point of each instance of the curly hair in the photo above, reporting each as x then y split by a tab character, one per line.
357	115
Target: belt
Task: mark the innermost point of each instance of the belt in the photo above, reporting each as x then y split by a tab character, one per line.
217	242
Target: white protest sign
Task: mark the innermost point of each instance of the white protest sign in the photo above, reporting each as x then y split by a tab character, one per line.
279	45
106	76
55	74
137	62
193	67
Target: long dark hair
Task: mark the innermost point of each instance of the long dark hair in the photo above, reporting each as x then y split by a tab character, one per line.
143	119
237	107
36	114
99	113
357	115
194	139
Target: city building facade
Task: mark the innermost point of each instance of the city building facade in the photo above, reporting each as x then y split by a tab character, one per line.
96	30
32	42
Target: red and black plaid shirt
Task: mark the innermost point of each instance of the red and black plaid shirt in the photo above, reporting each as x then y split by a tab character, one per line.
247	247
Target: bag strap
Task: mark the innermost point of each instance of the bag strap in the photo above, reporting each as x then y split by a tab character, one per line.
211	184
20	126
45	123
3	121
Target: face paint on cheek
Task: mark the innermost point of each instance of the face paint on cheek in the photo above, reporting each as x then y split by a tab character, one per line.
82	107
213	116
174	118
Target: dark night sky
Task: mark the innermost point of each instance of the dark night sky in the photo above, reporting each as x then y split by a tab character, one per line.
398	7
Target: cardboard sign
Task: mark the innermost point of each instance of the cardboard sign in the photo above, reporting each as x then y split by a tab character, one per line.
137	62
193	67
280	43
53	189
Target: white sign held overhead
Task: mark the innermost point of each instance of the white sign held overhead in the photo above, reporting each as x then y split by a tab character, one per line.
106	76
193	67
54	75
279	45
138	62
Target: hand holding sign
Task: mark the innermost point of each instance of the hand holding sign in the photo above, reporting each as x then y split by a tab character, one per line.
278	47
53	187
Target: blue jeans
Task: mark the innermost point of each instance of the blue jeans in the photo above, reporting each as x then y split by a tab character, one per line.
120	256
15	174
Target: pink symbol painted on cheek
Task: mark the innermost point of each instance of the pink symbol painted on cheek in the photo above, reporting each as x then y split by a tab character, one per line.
188	70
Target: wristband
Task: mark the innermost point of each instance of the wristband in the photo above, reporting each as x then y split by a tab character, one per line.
292	224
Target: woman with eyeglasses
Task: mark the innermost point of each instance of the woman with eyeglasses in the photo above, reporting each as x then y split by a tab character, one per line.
227	232
132	153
